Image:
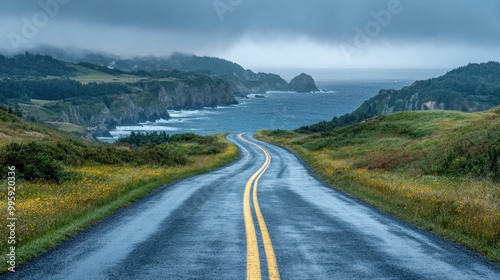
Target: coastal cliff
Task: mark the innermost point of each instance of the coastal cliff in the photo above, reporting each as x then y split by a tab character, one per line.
99	97
471	88
149	102
191	94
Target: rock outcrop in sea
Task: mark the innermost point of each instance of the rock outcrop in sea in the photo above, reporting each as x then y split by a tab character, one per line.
302	83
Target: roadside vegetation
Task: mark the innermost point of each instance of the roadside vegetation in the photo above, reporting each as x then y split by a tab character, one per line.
471	88
65	184
437	169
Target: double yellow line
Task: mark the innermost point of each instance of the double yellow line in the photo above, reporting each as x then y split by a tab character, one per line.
253	259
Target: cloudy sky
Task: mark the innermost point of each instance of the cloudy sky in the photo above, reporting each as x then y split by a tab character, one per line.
265	33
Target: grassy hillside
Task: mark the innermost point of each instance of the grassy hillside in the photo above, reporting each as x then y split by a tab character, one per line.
64	184
471	88
15	129
437	169
98	97
86	74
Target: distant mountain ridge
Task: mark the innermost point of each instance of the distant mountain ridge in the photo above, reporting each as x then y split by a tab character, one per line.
471	88
243	81
99	98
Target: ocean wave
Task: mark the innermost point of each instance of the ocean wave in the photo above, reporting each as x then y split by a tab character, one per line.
321	91
200	118
185	113
121	129
279	91
107	139
162	121
216	108
189	113
173	120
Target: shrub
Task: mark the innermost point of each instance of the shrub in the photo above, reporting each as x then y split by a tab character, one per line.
137	139
32	162
108	154
480	163
160	155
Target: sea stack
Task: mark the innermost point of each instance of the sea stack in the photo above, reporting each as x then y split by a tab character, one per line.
302	83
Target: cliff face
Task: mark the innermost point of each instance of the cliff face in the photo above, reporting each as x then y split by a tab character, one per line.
148	103
185	96
414	98
102	114
390	101
250	82
471	88
302	83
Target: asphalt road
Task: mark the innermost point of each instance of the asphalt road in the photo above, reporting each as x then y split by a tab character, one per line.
264	216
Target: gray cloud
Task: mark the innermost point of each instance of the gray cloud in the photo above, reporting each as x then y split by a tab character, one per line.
461	20
198	26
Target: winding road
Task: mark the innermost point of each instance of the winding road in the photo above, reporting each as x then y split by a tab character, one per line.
264	217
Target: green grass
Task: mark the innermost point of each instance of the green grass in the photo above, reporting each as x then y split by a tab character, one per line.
39	112
39	102
435	169
48	213
18	128
67	127
87	75
113	177
15	129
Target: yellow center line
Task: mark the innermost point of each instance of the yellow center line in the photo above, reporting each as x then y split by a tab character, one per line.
253	259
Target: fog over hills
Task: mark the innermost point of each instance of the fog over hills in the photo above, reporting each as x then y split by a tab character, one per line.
300	34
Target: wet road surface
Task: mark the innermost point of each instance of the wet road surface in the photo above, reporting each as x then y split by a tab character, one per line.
264	216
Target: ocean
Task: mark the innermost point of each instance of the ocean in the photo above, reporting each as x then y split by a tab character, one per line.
342	92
